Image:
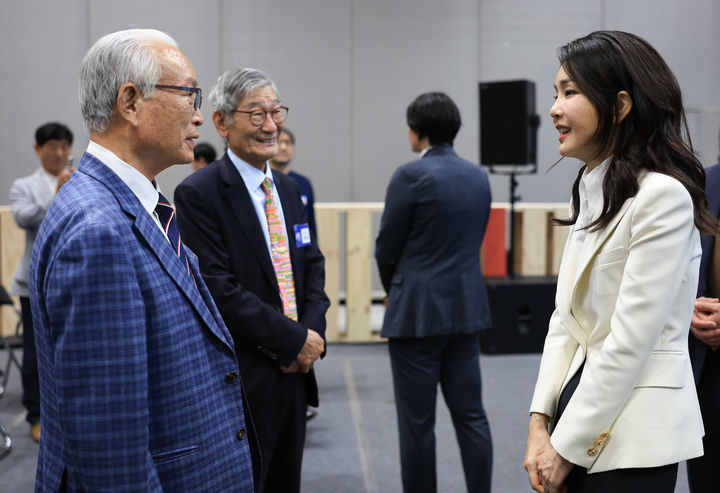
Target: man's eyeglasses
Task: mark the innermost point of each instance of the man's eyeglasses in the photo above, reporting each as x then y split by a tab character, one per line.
196	90
258	117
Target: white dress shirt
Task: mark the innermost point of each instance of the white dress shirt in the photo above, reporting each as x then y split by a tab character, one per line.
253	179
144	189
591	201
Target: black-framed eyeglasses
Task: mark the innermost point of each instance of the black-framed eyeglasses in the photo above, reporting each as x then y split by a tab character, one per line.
196	90
258	117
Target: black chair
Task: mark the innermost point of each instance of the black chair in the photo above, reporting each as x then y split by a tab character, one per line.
9	343
5	441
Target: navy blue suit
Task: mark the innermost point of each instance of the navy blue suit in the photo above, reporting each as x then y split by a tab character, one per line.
702	472
218	221
428	254
138	374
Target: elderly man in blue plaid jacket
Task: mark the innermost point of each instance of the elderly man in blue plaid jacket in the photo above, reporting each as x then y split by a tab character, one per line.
138	375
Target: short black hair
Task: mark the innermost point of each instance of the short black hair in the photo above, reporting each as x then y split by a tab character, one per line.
435	116
289	134
205	151
53	131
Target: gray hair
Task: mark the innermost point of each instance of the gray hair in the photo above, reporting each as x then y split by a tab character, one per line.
234	85
114	59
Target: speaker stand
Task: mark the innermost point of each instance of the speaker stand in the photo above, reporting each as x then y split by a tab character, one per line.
513	198
511	248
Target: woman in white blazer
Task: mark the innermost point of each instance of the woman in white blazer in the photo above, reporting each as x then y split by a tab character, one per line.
615	407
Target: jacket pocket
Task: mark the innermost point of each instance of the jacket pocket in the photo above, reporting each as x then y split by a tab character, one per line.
173	455
664	369
608	270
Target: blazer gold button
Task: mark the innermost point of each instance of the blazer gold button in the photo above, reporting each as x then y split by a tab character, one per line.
592	451
231	377
241	434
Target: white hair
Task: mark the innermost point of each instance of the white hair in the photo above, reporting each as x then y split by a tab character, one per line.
234	85
114	59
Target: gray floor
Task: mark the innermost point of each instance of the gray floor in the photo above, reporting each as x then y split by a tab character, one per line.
352	443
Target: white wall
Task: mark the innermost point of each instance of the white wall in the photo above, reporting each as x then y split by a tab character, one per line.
348	69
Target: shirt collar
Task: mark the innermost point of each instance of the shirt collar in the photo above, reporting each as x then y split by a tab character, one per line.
252	176
425	151
144	189
591	190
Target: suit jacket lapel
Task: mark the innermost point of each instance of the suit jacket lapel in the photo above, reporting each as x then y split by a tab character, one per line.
566	287
593	241
244	211
149	231
146	228
573	269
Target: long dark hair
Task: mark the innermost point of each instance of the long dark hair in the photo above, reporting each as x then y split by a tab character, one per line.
653	136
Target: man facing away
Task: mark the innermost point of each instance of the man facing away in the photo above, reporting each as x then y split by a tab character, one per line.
248	226
704	347
428	253
138	374
281	162
30	199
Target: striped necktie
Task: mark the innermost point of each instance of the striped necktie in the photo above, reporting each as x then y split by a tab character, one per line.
280	253
166	213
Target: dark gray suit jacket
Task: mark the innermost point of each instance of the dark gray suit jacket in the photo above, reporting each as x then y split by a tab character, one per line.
428	248
698	349
217	221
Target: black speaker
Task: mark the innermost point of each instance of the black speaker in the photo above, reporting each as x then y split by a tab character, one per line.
520	310
508	124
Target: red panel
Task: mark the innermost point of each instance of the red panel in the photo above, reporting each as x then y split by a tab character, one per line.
494	251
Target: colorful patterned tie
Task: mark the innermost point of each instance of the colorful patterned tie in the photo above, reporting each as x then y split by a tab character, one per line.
280	253
166	213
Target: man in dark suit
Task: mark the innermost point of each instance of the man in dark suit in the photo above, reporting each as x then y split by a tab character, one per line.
138	375
705	349
428	251
248	226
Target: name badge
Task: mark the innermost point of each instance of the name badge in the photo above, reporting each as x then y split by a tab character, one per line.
302	235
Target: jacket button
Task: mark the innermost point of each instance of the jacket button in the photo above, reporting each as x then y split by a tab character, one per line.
241	434
231	377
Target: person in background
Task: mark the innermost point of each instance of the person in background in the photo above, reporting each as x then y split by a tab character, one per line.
281	162
428	254
703	476
615	407
30	199
203	154
138	375
248	226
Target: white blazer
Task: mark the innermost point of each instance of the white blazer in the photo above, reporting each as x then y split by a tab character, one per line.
625	308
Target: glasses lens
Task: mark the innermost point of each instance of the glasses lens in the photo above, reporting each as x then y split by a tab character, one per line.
279	115
198	99
257	118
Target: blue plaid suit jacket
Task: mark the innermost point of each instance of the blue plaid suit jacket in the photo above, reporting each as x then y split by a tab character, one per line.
138	375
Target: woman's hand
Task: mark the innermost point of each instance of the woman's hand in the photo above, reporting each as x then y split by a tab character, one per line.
553	469
538	442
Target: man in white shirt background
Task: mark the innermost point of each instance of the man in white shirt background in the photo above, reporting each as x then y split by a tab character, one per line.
30	198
